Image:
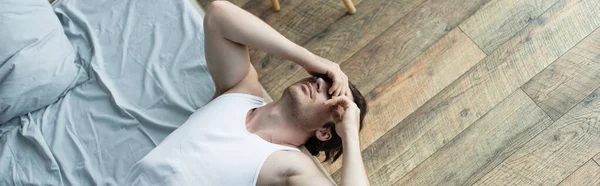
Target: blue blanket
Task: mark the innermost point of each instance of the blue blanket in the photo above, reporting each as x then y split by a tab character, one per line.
139	73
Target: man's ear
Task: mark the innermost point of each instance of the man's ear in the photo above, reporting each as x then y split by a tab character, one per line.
323	133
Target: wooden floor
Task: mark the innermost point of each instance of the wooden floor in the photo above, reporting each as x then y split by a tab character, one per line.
475	92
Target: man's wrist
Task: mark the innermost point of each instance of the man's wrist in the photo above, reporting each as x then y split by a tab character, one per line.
303	57
350	136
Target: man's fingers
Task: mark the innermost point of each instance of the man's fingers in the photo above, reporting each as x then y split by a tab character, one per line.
347	93
338	113
346	86
339	86
334	101
338	100
342	87
335	88
338	89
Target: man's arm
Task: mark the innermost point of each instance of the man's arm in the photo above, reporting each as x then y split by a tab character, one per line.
353	169
229	29
304	171
347	126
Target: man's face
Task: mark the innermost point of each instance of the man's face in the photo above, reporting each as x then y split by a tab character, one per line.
306	99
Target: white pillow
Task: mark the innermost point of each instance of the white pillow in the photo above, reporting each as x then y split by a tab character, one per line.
36	59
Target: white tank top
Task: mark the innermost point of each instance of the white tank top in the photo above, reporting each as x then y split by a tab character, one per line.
212	147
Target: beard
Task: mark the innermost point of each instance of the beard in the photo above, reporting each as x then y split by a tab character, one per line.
292	98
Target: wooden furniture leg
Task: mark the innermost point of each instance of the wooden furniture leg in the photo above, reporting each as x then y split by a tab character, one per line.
350	6
276	6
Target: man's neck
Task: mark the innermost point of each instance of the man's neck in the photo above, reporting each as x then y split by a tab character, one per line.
272	123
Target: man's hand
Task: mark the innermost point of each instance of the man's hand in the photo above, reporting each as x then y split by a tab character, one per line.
347	117
347	126
320	65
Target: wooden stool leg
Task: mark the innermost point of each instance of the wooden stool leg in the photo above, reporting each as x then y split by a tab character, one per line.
350	6
275	5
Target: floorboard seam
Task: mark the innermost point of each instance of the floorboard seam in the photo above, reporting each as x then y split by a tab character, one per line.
596	161
355	53
575	171
524	143
521	88
472	41
426	102
453	138
519	31
569	110
592	159
425	50
384	31
429	100
260	78
529	96
303	44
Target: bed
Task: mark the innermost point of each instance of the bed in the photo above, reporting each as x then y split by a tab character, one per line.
136	72
89	87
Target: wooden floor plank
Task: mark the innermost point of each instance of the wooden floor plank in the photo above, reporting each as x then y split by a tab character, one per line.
485	85
557	152
419	81
293	13
423	128
402	43
297	20
299	24
405	40
588	174
264	9
568	80
498	21
342	39
480	148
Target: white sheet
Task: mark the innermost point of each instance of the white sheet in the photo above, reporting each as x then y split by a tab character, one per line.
147	74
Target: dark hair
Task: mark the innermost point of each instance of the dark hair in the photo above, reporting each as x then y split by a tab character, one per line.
333	147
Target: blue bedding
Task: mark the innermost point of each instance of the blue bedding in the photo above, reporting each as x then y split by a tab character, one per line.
138	73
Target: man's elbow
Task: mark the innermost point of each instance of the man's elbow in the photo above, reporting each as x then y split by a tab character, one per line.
217	7
214	14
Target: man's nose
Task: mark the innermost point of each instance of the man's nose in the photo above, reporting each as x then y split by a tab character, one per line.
320	80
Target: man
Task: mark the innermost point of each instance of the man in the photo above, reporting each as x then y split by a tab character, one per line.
236	139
